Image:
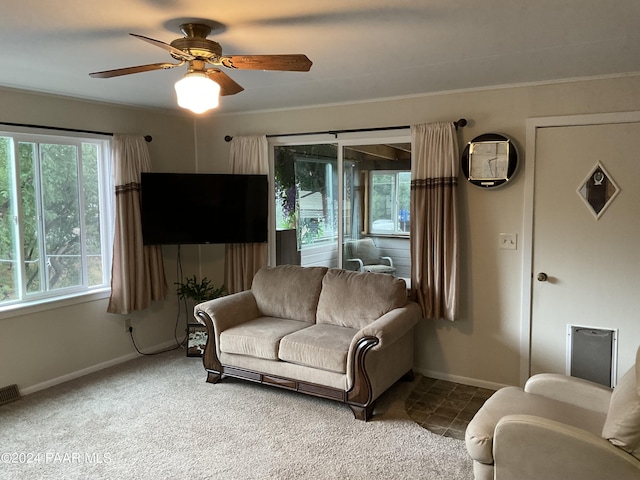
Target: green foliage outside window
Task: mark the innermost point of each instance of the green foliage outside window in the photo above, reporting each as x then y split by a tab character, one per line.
58	219
306	191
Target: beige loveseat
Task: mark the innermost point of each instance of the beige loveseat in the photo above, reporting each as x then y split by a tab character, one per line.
559	427
342	335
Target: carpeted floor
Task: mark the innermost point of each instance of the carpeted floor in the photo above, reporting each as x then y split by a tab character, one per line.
156	418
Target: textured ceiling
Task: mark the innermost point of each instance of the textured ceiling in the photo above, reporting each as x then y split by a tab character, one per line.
361	49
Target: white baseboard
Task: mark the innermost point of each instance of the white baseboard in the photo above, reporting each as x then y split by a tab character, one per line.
92	369
459	379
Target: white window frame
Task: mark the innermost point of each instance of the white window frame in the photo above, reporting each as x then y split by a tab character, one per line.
66	296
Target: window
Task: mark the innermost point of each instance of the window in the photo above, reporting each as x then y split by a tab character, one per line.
55	229
390	192
332	192
306	188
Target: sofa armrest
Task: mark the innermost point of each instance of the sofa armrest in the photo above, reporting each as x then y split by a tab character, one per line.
531	448
229	310
391	326
381	339
572	390
218	315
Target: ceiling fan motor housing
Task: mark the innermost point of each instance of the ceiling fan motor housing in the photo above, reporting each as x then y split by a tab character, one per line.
195	42
197	47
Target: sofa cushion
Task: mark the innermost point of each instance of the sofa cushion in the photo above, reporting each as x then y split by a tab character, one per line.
622	427
354	299
259	337
288	291
318	346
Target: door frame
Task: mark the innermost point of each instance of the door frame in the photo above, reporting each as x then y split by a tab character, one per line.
532	126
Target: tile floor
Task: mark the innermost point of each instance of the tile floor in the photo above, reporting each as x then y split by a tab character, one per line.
445	408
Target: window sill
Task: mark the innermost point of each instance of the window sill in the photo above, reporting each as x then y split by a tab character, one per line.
42	305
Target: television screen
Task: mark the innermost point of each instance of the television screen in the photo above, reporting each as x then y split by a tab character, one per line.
194	208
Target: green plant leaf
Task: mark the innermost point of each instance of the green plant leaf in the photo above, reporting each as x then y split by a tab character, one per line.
199	291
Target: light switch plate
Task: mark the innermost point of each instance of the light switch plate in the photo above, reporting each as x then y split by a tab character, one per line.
508	241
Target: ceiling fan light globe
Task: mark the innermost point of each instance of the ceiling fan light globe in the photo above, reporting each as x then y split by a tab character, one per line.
197	92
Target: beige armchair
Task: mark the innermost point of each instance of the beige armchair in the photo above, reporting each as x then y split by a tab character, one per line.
364	256
559	427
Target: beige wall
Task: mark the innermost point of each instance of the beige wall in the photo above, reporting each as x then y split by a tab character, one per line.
484	344
38	348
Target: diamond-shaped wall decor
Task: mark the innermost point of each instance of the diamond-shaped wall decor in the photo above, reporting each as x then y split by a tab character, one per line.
598	190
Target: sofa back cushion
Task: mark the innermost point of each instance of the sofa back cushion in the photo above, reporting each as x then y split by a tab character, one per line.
622	426
354	300
288	291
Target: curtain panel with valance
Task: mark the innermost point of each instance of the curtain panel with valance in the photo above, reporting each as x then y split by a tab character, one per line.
248	155
137	271
434	220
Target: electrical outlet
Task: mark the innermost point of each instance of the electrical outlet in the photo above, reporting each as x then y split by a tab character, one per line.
127	325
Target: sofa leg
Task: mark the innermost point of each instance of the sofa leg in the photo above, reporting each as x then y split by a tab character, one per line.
213	377
362	413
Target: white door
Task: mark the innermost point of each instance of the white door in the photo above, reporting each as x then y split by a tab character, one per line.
592	265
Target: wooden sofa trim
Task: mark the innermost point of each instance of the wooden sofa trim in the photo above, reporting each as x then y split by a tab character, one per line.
358	398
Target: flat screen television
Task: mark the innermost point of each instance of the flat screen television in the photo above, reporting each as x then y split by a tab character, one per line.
198	208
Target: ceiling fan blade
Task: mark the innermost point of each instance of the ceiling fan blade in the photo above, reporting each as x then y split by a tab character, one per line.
165	46
129	70
292	63
227	85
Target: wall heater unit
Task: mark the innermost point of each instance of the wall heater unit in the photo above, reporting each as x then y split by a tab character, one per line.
592	354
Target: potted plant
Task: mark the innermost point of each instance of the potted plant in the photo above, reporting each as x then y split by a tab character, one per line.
198	291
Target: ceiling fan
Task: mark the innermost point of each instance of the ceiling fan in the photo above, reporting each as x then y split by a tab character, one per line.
199	89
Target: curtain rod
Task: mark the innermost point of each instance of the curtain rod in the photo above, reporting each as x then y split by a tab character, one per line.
459	124
148	138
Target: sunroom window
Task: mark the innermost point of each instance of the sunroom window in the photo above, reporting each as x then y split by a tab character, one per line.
390	192
330	194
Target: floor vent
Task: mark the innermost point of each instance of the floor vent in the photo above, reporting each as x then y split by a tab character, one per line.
9	394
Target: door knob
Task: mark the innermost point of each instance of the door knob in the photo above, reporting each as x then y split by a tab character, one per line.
542	277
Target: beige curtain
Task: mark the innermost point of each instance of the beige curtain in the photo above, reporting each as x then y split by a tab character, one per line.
434	220
243	260
137	271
